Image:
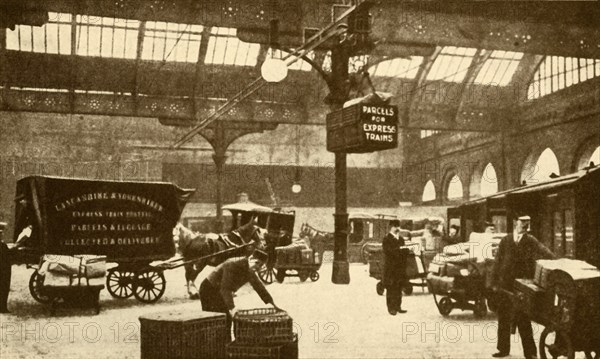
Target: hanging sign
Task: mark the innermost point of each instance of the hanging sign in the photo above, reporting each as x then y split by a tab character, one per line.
362	128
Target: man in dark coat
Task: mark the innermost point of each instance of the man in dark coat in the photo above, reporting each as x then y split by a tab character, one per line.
394	268
516	258
5	272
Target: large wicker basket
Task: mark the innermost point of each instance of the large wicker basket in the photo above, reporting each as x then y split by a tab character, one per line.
289	350
264	325
183	335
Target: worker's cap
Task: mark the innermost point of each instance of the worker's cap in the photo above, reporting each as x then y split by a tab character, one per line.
260	255
3	226
395	223
490	224
524	218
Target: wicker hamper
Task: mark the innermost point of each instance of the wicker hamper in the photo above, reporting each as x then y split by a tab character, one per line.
288	350
263	325
182	335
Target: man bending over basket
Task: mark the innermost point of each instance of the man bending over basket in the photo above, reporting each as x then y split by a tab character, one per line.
217	290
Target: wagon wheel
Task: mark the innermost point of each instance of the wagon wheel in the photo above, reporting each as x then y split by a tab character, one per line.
314	276
554	350
380	288
149	286
280	275
120	283
480	308
35	288
445	306
303	275
266	273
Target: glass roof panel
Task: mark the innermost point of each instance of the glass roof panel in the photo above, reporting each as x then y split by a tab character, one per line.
557	72
499	68
173	42
224	48
452	64
54	37
398	67
106	37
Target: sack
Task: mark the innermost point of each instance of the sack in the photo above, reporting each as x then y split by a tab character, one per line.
52	279
84	266
60	264
93	266
439	285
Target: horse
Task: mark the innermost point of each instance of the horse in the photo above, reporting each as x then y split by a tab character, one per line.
192	245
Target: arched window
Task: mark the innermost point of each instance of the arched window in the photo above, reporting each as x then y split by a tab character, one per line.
546	165
595	157
429	192
489	181
455	188
588	152
558	72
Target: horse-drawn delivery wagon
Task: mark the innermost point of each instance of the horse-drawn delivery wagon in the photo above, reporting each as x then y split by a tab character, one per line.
131	223
278	223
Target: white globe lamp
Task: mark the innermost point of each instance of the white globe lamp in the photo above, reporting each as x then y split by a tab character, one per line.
273	70
296	188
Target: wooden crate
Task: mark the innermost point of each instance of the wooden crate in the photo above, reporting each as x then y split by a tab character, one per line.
533	300
183	335
287	350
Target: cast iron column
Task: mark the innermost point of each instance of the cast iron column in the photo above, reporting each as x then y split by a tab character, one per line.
338	95
219	159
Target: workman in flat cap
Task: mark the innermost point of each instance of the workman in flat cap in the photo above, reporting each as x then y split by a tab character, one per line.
516	258
218	289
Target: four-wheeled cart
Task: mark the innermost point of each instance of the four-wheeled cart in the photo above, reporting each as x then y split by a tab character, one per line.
465	292
131	223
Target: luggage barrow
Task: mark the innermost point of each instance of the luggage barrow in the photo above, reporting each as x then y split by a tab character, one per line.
302	271
416	280
468	294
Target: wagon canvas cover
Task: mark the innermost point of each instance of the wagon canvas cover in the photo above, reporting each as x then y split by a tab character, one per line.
122	220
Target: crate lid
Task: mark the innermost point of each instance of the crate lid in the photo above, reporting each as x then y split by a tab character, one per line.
181	316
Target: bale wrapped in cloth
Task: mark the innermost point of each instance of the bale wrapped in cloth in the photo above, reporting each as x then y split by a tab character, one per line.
462	258
79	270
293	253
439	284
